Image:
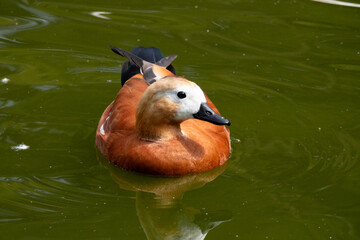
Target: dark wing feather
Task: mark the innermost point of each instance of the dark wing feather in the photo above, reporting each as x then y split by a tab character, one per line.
131	57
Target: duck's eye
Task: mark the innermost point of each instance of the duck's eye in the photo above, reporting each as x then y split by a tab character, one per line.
181	94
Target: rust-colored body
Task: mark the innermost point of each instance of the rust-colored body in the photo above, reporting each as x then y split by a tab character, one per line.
201	146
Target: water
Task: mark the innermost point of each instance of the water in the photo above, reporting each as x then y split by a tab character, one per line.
286	73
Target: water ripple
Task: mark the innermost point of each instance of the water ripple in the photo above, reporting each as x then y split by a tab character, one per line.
100	14
318	162
340	3
20	24
45	194
7	103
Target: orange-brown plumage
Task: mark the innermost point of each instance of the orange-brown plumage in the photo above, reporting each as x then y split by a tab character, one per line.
135	135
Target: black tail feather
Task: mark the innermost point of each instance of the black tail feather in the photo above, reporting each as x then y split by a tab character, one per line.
131	57
149	54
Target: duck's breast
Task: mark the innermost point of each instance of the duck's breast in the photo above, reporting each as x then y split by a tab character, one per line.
200	149
120	114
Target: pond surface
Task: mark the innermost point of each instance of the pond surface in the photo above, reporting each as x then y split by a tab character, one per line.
286	73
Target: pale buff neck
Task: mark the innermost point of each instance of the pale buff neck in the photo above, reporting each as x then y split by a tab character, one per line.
154	125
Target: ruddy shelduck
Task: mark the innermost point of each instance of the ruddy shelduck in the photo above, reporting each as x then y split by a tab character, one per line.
160	123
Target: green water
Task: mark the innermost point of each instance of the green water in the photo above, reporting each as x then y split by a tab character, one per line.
286	73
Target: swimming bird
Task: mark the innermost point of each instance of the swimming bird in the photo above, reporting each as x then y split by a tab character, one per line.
161	123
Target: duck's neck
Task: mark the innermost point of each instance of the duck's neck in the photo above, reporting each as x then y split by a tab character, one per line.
154	119
150	131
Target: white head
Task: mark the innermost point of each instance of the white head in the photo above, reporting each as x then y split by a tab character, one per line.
186	96
175	99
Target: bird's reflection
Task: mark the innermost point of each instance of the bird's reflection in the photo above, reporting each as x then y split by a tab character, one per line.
159	203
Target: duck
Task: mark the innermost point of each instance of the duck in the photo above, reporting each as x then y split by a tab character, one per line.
160	123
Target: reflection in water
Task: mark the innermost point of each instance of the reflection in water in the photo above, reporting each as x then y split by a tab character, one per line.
175	221
159	203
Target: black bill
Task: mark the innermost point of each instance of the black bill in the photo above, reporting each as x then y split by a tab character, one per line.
206	113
